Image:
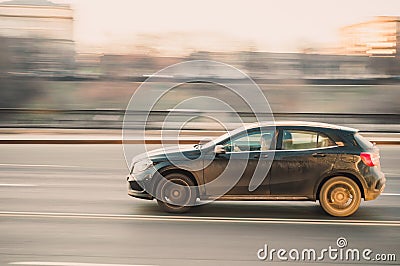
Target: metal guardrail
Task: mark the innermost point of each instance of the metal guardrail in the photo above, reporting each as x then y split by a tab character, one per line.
113	118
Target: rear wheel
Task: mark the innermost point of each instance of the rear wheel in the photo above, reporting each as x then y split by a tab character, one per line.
176	193
340	196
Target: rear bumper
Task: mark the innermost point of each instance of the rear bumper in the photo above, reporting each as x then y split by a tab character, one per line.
376	189
135	190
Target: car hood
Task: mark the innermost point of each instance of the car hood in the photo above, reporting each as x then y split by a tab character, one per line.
176	152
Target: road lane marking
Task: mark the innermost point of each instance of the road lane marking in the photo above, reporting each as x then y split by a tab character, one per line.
38	165
165	218
390	194
17	185
48	263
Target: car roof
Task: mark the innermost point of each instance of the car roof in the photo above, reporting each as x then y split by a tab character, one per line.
301	124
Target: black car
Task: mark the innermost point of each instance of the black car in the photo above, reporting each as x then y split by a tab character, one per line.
281	161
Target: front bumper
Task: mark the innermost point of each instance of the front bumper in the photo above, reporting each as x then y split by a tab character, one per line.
135	190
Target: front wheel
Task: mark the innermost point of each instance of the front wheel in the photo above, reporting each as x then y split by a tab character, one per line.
176	193
340	196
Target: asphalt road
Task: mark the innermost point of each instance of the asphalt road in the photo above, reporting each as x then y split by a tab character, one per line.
67	205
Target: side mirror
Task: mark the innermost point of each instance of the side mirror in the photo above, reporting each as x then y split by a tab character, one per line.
219	149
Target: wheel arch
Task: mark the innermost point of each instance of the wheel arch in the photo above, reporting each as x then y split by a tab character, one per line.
170	169
345	174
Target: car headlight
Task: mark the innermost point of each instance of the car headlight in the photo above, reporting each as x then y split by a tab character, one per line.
142	165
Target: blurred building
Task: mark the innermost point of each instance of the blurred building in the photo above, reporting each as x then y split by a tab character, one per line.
378	37
259	65
38	36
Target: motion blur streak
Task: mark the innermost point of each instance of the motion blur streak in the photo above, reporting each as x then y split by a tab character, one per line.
197	219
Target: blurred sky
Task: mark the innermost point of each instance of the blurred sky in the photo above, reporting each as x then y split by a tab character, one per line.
281	25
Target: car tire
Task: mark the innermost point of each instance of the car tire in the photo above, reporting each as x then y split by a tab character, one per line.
176	193
340	196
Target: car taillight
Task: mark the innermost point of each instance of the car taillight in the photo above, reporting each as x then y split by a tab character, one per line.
370	159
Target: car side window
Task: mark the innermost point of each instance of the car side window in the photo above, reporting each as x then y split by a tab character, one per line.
252	141
324	141
296	140
246	142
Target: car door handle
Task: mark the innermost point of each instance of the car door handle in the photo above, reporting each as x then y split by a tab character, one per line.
262	156
319	155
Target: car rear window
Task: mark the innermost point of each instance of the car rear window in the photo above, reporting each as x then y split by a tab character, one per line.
363	142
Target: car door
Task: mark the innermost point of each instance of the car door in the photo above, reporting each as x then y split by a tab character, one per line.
244	152
303	156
